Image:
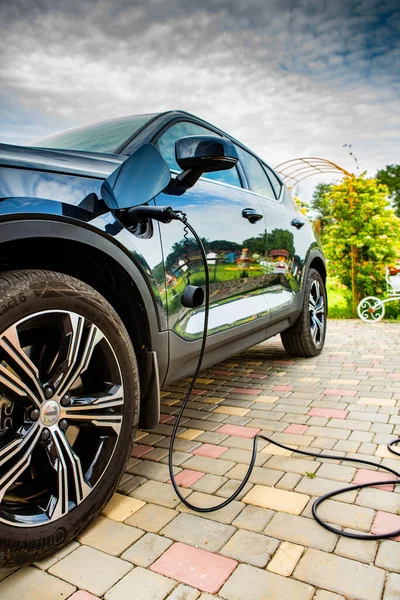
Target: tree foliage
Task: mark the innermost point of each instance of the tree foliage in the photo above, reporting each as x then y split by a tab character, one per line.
281	239
391	178
321	204
277	239
360	218
181	248
257	245
303	206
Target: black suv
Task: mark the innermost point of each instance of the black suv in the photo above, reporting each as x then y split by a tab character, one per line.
92	320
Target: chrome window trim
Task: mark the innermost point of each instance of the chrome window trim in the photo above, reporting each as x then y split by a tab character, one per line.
265	197
204	178
234	187
264	164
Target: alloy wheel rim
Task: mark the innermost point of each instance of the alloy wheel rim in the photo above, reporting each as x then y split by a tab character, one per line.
61	402
317	313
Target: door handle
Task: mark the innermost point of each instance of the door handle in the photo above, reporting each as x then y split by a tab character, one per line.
251	215
297	223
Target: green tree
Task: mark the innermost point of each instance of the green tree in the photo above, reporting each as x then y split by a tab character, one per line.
391	178
179	249
277	239
321	203
257	244
281	239
223	246
362	234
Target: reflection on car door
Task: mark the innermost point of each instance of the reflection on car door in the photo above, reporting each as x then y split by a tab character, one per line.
288	241
282	260
235	248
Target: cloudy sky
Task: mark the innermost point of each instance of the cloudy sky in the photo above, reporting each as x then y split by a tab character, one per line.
288	78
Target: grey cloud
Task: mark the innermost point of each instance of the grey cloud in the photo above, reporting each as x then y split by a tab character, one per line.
289	78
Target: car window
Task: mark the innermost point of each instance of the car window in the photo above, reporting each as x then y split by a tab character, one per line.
276	184
256	175
166	146
106	136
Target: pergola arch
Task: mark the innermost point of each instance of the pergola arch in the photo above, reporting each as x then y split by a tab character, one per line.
297	169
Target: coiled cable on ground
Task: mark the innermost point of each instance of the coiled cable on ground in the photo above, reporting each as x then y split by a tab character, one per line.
358	536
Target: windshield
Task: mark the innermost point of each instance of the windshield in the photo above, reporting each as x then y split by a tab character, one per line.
106	136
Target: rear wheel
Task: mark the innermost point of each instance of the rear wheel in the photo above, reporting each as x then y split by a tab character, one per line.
69	392
307	336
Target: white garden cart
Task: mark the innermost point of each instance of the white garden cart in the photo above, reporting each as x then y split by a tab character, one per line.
372	308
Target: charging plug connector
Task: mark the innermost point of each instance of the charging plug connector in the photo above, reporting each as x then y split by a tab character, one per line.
163	214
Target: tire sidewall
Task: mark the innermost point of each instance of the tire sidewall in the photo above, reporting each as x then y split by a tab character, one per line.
313	275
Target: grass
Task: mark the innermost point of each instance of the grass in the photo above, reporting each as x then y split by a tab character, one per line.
338	307
225	272
337	303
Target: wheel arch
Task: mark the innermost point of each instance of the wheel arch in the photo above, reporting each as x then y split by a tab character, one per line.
318	264
315	261
92	258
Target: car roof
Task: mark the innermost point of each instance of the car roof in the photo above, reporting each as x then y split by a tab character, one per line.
170	115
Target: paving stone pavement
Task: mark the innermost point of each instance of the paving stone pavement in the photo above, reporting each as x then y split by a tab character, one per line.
148	546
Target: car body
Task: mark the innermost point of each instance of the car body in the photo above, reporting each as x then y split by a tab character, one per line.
53	217
52	195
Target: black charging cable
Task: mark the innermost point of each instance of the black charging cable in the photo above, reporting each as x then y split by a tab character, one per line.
166	215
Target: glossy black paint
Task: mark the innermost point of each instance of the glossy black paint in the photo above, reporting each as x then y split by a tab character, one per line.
34	194
236	283
137	180
256	258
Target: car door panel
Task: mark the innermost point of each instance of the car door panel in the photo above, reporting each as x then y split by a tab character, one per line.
287	250
237	277
286	246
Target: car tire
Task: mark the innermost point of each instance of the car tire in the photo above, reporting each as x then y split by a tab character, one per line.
306	337
69	398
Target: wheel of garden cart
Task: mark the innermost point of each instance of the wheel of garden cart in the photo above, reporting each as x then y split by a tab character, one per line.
69	391
307	336
371	309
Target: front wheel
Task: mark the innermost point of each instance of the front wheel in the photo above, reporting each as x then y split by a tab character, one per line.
307	336
69	392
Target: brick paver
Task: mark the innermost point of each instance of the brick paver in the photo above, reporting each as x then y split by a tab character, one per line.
198	532
249	547
198	568
147	545
109	536
251	583
90	570
29	583
285	559
341	575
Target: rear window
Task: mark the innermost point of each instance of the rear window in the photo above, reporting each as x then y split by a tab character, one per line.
276	184
106	136
256	175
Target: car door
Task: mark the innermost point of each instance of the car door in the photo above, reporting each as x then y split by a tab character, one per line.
289	229
215	208
286	243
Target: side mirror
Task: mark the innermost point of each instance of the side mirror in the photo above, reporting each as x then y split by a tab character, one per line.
140	178
198	154
205	152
